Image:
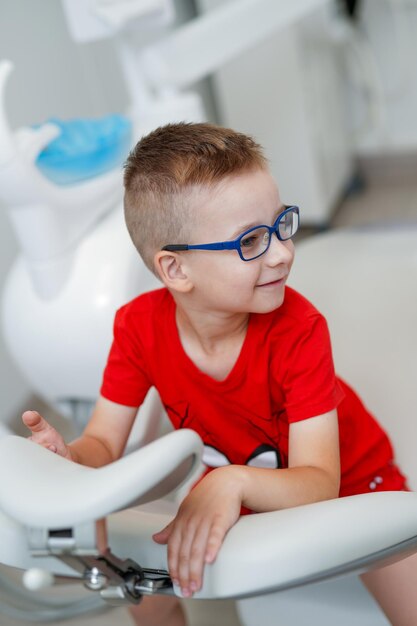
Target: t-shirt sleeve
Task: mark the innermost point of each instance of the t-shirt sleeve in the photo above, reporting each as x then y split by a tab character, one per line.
125	379
310	385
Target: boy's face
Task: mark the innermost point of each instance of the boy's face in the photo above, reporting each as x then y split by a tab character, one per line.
221	280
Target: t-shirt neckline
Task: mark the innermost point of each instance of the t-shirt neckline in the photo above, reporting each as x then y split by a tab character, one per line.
185	362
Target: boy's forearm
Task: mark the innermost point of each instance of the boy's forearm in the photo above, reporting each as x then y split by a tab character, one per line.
273	489
90	451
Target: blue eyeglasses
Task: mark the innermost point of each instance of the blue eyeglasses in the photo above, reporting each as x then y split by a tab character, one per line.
255	241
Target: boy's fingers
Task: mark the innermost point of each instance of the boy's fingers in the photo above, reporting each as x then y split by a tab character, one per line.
197	558
49	446
34	421
174	545
190	558
196	548
214	542
45	435
42	433
163	535
184	557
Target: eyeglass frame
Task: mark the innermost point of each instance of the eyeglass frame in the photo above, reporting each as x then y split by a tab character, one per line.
235	244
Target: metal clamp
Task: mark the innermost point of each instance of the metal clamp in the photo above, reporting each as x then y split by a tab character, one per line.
119	581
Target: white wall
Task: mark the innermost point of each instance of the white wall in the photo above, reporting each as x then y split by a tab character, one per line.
389	27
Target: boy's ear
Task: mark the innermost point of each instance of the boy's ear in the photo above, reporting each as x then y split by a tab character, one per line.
171	271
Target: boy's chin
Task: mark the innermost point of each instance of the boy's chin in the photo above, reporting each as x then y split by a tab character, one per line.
269	306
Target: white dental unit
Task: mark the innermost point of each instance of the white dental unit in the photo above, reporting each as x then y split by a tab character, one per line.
77	266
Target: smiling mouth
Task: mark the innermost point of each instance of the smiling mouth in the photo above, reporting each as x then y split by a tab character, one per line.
273	283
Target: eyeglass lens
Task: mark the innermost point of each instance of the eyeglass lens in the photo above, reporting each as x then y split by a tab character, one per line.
288	225
256	242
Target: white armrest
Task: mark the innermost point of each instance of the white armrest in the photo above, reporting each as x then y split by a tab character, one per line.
266	551
44	490
261	553
284	549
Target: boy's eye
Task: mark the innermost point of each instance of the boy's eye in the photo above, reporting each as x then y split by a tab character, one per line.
258	237
250	241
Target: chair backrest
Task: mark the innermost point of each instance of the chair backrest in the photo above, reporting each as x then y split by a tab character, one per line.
365	283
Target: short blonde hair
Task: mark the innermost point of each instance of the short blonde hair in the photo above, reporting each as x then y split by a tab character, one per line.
163	170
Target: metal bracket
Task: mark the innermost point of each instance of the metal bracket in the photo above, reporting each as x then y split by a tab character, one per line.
119	581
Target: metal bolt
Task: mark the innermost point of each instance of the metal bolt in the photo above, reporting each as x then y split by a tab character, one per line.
95	580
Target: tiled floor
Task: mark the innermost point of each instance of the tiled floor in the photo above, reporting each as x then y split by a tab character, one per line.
384	203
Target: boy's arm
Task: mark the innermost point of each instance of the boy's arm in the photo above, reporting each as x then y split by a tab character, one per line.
313	472
102	441
105	435
194	537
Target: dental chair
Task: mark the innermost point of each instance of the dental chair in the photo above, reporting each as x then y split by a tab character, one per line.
54	518
60	522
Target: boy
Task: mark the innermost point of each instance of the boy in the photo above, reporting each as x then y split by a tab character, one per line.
234	354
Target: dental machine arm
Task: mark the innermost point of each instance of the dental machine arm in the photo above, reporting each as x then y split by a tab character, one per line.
157	73
51	526
234	27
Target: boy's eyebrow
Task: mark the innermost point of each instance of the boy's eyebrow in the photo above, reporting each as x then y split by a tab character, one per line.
252	224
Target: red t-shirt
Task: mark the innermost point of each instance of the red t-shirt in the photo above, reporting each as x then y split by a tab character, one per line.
284	374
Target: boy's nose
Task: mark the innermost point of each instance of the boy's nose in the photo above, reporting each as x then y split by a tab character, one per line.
279	251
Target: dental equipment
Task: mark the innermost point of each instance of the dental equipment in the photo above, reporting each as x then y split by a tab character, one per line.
85	149
64	526
66	236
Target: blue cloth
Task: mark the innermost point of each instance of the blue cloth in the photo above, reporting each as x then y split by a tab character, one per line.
85	148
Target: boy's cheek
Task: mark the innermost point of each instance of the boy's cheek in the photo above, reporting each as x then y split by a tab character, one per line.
291	249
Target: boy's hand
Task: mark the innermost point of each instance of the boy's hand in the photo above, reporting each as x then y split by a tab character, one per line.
45	435
195	535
